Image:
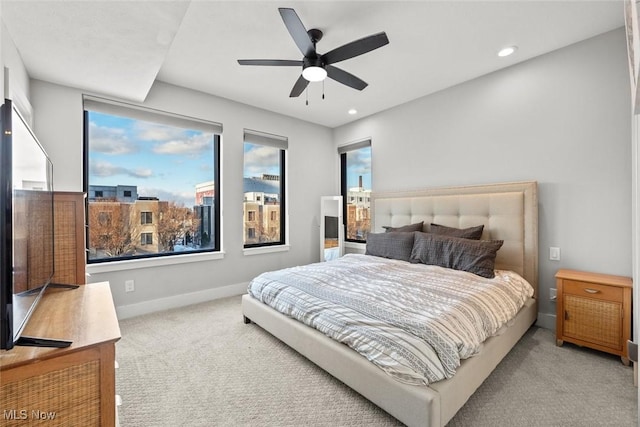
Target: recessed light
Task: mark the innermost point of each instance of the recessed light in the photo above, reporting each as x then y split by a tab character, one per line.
352	111
507	51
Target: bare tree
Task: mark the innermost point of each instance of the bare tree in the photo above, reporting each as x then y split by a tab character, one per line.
174	224
358	222
109	229
267	228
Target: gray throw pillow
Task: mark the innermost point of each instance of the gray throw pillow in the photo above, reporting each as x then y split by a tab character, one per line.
394	245
474	233
474	256
411	227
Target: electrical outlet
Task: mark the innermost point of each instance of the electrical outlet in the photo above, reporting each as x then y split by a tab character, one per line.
553	294
129	286
554	254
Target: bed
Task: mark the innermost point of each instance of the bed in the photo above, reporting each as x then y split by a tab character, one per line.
508	212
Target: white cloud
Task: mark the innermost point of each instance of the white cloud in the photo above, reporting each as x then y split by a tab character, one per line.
191	146
148	131
261	159
107	140
106	169
359	162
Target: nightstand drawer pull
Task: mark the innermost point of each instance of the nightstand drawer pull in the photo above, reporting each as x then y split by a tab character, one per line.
591	291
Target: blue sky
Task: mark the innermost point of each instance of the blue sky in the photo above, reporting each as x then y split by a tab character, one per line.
162	161
359	163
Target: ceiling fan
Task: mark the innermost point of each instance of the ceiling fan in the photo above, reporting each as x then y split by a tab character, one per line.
316	67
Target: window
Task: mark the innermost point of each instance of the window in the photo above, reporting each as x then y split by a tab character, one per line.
146	218
355	168
104	218
168	164
264	189
146	239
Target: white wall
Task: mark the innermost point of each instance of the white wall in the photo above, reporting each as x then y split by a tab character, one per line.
16	79
58	123
561	119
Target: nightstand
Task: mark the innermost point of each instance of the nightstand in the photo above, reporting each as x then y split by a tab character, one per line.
594	310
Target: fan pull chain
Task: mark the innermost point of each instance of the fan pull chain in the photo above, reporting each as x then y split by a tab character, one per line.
306	92
323	89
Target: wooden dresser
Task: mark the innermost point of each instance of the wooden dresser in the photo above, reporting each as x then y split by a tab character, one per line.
594	310
73	386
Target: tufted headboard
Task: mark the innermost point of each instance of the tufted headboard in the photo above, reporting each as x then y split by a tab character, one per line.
509	212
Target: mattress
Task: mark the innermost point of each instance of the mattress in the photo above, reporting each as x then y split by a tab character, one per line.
416	322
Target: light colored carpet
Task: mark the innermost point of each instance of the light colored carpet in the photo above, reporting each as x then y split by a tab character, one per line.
202	366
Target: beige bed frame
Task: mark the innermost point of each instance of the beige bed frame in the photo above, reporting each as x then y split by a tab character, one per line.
509	212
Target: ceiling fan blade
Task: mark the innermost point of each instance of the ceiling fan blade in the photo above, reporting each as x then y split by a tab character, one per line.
345	78
355	48
271	62
299	87
297	31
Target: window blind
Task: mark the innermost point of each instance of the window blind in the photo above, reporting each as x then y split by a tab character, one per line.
117	108
354	146
261	138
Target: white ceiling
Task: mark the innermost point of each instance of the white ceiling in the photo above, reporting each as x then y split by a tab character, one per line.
119	49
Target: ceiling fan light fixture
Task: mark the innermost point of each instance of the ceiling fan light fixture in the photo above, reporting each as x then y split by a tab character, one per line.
314	74
316	67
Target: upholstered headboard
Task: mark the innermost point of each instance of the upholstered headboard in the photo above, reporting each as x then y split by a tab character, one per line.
509	212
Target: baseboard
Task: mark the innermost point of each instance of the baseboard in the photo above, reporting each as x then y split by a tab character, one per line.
547	321
160	304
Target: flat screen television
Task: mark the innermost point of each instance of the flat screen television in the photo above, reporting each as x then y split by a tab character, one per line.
26	221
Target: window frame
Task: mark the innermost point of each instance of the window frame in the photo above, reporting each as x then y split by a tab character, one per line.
144	241
344	188
146	217
280	143
138	112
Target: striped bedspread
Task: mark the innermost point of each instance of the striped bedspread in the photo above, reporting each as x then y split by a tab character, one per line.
414	321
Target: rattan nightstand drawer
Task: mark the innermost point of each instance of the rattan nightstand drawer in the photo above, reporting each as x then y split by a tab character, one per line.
594	310
593	320
592	290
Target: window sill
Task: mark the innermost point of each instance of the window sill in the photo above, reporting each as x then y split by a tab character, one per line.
265	250
134	264
354	245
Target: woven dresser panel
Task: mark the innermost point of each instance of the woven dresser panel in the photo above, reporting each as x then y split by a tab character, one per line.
66	397
593	320
66	250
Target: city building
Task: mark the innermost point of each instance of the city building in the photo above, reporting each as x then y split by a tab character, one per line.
261	209
119	193
358	212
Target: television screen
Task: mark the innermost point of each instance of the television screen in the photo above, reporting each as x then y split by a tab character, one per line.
30	205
